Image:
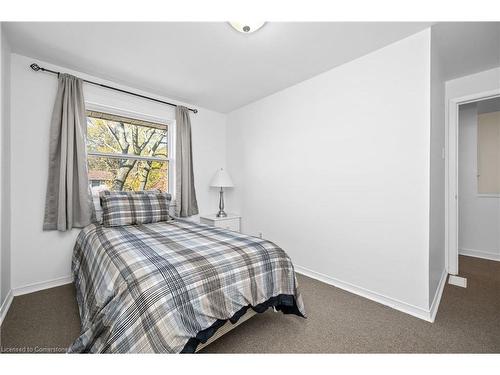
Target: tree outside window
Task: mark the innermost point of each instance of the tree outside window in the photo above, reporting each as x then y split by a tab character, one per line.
126	153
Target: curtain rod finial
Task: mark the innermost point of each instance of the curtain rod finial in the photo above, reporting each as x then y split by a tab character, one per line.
35	67
195	111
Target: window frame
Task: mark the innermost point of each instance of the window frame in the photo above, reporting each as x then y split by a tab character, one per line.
169	123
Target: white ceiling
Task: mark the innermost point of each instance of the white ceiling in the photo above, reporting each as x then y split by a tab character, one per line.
468	47
213	66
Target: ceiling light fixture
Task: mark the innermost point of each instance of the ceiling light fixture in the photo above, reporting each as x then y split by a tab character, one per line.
247	27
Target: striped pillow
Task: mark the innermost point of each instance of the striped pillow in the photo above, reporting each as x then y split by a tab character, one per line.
134	207
126	193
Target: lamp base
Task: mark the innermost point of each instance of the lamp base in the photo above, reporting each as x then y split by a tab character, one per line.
221	214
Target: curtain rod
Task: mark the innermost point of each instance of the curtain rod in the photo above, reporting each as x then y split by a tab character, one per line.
37	68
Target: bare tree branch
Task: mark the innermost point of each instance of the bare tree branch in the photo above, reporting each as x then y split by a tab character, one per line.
143	146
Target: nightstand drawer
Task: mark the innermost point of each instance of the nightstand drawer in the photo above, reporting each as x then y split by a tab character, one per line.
233	224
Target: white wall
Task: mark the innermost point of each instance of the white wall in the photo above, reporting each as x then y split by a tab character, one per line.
2	262
5	272
479	217
437	172
336	171
41	257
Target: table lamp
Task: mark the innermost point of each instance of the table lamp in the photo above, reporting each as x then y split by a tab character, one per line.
221	180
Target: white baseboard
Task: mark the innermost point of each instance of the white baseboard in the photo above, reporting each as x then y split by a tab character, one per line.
5	306
35	287
415	311
437	297
480	254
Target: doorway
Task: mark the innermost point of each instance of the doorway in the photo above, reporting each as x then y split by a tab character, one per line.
473	178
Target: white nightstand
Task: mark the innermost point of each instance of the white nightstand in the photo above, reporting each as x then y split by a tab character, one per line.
231	221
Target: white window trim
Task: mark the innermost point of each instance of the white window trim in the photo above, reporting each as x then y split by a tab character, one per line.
91	106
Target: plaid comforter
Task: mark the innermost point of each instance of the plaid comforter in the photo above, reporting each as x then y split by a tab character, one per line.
165	287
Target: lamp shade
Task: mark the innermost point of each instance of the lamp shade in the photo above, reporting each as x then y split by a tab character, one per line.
221	179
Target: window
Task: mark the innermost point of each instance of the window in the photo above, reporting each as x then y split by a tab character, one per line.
488	153
126	153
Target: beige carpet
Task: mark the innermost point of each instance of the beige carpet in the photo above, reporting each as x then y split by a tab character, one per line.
338	322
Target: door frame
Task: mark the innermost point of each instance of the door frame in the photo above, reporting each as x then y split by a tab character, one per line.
451	200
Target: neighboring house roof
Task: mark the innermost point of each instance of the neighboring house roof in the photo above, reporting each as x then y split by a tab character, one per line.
100	175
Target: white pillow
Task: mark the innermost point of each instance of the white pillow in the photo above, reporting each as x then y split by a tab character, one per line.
96	191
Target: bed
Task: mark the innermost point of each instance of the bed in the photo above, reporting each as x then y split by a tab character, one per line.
173	287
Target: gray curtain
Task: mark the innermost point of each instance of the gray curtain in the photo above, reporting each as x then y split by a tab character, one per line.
68	202
186	204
